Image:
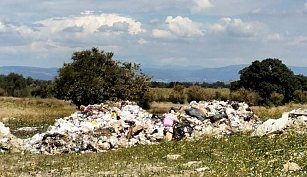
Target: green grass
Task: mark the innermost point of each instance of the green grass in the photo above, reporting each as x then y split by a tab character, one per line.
237	155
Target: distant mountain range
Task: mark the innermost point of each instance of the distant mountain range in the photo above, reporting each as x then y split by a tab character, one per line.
34	72
163	74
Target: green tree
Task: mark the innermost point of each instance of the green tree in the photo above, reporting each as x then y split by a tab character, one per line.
93	77
302	81
15	85
300	96
268	76
41	88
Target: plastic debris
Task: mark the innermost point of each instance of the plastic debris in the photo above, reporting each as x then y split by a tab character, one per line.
173	156
272	125
291	166
4	131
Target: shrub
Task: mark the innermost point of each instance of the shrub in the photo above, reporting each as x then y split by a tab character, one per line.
250	97
276	98
177	95
300	96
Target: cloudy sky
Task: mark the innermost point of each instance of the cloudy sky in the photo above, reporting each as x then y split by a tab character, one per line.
207	33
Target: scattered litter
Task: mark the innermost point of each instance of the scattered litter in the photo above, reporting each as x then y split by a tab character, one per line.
27	129
272	125
4	131
291	166
193	163
202	169
173	156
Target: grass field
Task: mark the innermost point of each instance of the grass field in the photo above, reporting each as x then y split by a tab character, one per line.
32	112
237	155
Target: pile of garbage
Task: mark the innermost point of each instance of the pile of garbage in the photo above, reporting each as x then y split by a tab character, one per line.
111	125
9	142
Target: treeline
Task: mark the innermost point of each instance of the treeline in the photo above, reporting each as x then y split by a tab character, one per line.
182	94
94	77
268	82
218	84
16	85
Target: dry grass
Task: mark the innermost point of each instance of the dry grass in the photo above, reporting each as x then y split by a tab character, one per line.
162	107
21	112
265	113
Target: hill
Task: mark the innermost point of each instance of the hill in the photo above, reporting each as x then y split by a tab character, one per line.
163	74
34	72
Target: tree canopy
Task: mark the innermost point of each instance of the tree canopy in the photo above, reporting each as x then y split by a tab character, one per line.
93	77
269	78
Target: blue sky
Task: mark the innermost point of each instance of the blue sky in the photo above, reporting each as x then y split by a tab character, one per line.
206	33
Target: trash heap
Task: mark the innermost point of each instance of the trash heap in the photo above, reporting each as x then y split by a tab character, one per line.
8	142
112	125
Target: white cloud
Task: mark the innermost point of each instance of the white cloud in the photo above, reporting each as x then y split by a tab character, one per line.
201	5
178	26
183	26
91	23
237	28
158	33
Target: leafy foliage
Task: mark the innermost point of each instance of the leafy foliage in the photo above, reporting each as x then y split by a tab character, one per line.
94	77
15	85
268	76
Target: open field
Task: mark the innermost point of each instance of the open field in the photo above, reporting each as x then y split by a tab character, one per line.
236	155
32	112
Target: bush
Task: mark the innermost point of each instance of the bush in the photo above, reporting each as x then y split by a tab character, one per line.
244	95
177	95
158	94
300	96
276	98
2	92
197	93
